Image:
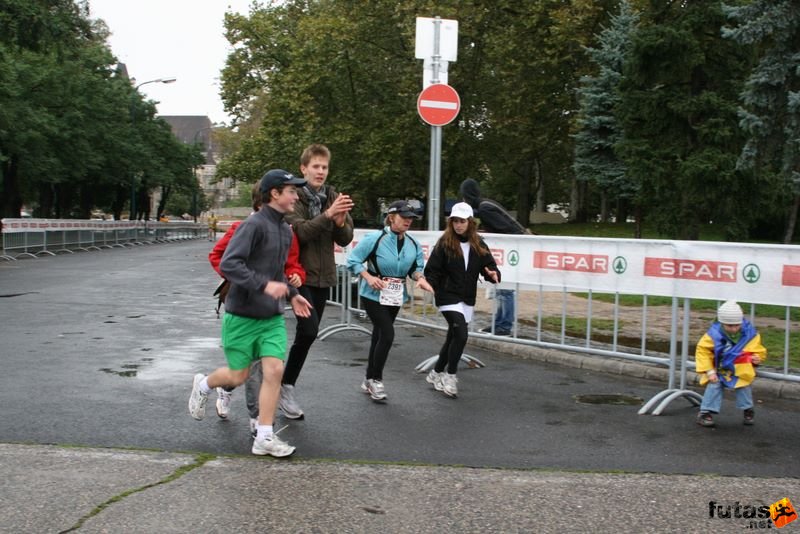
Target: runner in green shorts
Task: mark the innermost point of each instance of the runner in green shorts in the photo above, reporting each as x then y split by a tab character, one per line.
253	325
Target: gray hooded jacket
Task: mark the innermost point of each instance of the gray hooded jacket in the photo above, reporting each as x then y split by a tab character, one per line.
256	255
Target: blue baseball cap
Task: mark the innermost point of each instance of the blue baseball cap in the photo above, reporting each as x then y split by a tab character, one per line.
278	177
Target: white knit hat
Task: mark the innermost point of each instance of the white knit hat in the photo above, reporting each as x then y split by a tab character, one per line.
730	313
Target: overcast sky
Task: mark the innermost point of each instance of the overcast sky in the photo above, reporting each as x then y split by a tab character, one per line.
172	38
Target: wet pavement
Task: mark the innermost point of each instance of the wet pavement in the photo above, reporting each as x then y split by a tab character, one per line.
98	351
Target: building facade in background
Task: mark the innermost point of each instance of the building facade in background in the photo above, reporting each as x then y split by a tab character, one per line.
192	129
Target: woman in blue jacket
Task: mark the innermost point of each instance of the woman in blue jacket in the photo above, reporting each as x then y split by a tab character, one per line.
458	258
390	256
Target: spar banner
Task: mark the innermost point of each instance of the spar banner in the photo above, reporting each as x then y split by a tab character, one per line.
11	226
765	274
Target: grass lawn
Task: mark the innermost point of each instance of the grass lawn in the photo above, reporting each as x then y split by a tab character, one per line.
773	338
761	310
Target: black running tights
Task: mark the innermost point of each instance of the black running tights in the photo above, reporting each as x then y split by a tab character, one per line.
382	318
454	343
306	333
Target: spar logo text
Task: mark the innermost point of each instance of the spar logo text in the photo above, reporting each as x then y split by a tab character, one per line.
702	270
570	261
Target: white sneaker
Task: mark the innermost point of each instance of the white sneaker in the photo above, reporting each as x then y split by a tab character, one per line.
273	446
435	379
287	404
197	400
375	389
253	427
223	403
450	385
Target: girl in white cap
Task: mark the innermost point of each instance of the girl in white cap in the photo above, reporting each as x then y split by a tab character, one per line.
455	263
725	358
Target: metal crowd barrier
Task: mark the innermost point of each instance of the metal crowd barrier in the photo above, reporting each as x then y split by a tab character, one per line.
30	238
537	303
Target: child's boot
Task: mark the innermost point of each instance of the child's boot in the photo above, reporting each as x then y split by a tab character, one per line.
749	416
705	419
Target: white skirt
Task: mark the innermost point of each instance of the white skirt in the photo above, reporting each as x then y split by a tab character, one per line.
462	308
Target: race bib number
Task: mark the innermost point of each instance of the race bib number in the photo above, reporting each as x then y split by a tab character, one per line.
392	294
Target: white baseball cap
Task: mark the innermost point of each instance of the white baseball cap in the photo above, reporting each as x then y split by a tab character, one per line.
462	210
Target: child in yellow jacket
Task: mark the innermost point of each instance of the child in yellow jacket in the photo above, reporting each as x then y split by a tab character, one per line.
725	358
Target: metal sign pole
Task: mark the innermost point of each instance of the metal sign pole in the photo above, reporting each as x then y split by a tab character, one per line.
434	185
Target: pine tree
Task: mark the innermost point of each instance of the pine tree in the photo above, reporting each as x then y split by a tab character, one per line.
595	158
681	142
771	98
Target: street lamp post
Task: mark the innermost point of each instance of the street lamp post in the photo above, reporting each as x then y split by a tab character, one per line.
132	215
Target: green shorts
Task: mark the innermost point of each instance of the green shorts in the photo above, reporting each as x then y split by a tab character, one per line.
246	340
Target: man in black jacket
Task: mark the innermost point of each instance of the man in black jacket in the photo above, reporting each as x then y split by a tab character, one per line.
494	219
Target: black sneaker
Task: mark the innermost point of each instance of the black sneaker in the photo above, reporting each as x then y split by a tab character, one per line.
749	416
488	330
705	419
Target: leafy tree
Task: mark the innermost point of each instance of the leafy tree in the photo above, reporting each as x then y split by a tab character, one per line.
343	73
243	198
771	98
599	132
35	36
74	134
331	72
533	66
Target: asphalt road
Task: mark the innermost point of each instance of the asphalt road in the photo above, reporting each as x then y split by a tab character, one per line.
98	350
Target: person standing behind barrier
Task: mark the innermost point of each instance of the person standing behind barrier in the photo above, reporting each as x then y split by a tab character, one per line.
725	358
253	327
320	220
494	219
391	256
458	258
295	275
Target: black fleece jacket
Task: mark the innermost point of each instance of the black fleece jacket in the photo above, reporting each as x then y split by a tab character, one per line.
450	281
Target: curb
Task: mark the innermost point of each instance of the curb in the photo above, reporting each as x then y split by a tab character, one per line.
763	387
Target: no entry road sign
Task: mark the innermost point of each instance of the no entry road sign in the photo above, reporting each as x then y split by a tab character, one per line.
438	104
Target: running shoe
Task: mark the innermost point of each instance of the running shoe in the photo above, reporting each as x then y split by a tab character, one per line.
273	447
288	404
450	385
375	389
223	403
435	379
198	399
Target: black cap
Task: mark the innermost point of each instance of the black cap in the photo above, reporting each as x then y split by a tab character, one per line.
403	209
278	177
